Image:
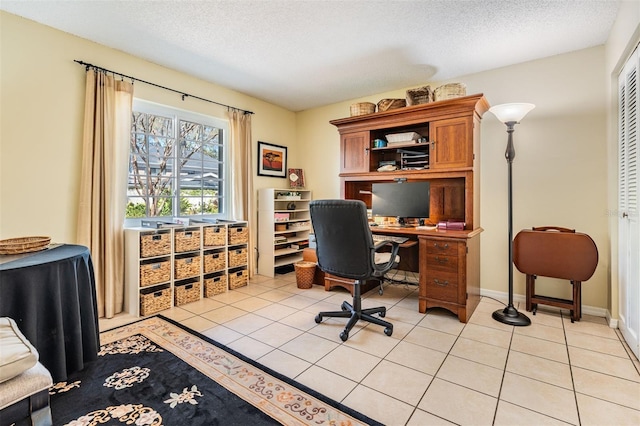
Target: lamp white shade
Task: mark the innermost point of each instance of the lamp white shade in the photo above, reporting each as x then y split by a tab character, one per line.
511	112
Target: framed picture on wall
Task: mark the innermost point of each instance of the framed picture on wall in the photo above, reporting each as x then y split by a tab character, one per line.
296	178
272	160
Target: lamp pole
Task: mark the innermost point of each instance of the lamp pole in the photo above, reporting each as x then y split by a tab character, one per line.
511	114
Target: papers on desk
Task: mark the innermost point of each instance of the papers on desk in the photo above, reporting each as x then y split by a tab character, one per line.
426	228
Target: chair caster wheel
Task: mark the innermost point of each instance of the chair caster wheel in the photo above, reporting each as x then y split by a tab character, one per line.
343	307
380	292
318	319
388	331
383	313
344	336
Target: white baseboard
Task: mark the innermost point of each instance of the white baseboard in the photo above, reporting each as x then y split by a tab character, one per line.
520	298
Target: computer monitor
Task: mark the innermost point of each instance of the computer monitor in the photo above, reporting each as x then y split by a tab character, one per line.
400	199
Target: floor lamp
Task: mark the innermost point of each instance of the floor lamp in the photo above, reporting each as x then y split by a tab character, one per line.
511	114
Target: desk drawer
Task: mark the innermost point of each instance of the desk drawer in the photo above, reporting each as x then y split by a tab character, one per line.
440	247
442	286
439	262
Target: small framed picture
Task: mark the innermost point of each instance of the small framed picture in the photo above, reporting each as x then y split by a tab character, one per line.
272	160
296	178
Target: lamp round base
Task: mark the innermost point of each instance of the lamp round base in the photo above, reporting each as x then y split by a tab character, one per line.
511	316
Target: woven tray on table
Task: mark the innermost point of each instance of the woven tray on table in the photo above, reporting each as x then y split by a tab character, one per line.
23	245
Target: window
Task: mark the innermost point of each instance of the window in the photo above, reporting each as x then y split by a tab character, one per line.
177	164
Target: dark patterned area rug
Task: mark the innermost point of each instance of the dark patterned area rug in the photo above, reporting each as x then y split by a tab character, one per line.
157	372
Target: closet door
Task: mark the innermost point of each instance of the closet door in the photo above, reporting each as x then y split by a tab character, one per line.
628	191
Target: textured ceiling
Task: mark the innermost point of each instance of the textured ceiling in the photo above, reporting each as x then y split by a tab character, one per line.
303	54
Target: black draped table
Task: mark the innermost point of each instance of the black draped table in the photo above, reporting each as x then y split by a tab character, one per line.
52	297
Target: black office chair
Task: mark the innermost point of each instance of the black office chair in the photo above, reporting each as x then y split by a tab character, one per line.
345	248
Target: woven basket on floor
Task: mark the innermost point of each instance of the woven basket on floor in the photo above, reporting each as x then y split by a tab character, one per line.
305	271
23	245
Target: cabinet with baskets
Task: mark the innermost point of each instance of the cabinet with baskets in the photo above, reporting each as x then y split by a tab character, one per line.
173	266
284	224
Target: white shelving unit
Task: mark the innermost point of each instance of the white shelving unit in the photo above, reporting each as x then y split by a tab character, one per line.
174	265
284	225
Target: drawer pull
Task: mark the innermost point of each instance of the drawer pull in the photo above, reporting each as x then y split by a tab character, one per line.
441	283
444	246
442	259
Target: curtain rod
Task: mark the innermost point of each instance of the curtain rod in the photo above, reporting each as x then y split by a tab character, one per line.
157	85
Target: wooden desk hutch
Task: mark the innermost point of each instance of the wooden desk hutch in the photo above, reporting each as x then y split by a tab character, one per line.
449	261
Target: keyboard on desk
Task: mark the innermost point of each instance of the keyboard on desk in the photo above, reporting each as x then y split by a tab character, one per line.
378	238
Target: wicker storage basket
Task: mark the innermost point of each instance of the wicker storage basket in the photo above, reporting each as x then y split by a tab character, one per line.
188	240
155	301
187	293
362	108
154	273
305	271
419	95
187	267
214	262
23	245
155	244
449	91
237	257
387	104
215	285
238	235
215	236
238	279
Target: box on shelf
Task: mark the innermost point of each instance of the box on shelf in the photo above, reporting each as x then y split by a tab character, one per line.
214	262
155	244
281	217
215	285
155	273
187	267
187	293
238	279
187	240
154	301
238	235
237	257
215	236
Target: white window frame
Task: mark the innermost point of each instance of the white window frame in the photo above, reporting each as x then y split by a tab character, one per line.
226	200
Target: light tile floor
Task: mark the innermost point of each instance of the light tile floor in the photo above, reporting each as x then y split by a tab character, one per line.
433	370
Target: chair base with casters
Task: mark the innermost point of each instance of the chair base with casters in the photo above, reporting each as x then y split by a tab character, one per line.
355	313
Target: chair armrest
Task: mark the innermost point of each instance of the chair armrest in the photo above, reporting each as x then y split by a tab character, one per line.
384	267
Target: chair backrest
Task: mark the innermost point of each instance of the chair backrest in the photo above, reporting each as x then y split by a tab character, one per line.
344	245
